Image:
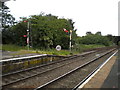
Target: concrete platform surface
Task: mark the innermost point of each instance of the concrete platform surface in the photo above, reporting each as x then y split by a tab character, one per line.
113	79
108	77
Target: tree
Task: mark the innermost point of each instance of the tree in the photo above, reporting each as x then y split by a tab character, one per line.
98	33
88	33
7	22
46	31
95	39
114	39
7	19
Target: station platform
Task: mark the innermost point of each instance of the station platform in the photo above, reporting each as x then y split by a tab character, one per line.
112	79
108	77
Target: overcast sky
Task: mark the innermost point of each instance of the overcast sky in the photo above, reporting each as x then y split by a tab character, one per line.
88	15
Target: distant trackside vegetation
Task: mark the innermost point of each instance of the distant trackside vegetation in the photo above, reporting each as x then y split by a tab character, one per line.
46	31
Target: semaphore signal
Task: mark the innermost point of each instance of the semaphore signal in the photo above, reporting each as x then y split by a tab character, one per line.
65	30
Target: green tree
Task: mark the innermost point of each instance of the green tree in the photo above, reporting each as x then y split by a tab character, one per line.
98	33
7	21
46	31
95	39
88	33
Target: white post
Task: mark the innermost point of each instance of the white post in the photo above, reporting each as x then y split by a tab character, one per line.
28	43
70	38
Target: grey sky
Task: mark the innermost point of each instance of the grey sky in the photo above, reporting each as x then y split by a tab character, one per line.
88	15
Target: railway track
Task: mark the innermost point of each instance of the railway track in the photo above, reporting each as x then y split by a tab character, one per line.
17	76
81	84
77	76
16	79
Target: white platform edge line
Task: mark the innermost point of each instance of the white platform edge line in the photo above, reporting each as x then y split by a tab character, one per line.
12	59
23	57
81	86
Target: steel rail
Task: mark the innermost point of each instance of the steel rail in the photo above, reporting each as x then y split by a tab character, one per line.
81	84
33	75
71	57
43	71
62	76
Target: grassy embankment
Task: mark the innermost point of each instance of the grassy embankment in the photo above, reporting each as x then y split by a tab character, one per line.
23	50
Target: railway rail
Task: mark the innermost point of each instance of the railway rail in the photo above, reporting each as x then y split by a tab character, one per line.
8	79
70	79
15	79
86	79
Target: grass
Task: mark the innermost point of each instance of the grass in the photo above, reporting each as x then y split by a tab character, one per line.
20	50
13	48
83	47
91	46
54	52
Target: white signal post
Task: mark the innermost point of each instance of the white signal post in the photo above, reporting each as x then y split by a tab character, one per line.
70	38
28	34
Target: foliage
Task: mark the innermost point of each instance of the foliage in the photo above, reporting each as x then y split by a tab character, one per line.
83	47
46	31
114	39
94	39
7	19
